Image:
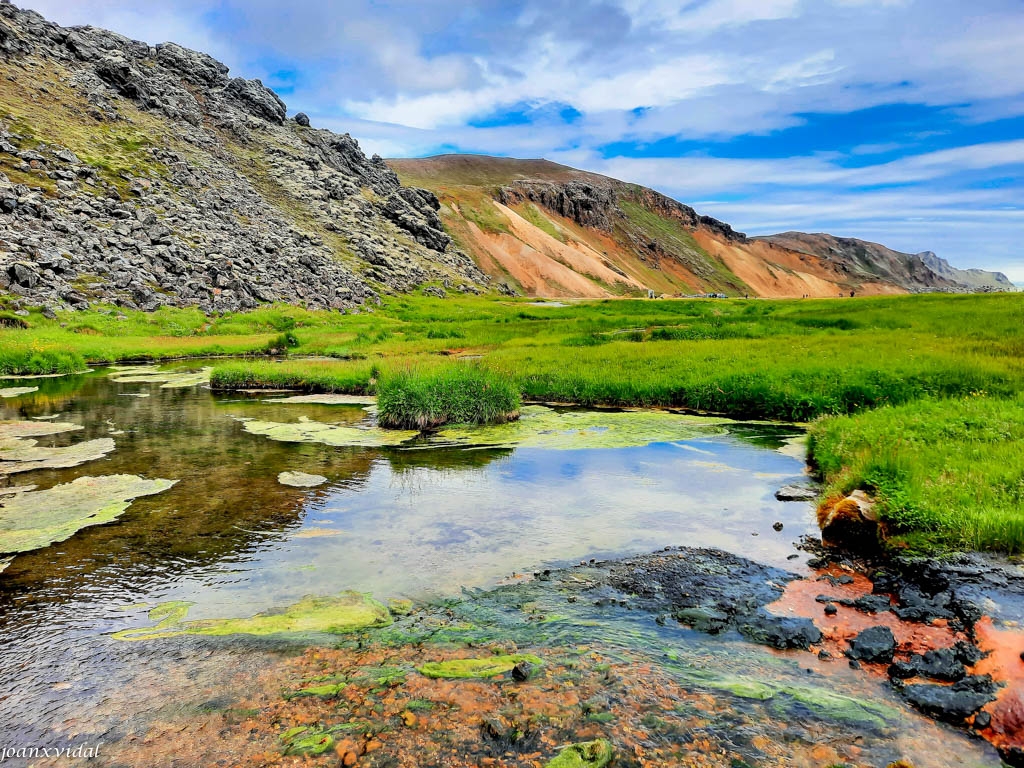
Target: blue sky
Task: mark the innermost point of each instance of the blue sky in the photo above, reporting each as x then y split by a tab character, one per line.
899	121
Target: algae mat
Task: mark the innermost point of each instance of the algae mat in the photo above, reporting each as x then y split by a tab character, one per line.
166	379
36	519
542	427
17	391
306	431
348	612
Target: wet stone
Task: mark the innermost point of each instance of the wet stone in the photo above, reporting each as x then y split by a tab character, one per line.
951	703
875	645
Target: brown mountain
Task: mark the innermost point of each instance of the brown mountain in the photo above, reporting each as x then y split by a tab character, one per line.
549	230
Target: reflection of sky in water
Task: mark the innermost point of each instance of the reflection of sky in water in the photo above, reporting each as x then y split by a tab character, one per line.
422	531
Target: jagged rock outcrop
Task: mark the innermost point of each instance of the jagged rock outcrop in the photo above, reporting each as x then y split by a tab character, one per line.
149	176
974	279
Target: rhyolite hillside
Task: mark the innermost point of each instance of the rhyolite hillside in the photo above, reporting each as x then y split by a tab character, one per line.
148	175
550	230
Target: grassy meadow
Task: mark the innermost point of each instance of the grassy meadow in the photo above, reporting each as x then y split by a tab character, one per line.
874	363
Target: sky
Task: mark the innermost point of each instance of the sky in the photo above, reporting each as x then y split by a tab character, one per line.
897	121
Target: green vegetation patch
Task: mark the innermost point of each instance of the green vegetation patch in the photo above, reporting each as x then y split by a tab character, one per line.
39	518
944	472
460	669
21	455
543	427
167	379
589	754
347	612
306	431
454	394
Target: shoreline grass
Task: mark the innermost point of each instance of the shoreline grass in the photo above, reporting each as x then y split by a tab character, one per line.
460	393
944	472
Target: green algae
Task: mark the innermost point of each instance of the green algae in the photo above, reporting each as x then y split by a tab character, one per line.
589	754
304	741
300	479
459	669
325	691
166	379
36	519
306	431
543	427
347	612
823	703
400	606
10	430
25	455
17	391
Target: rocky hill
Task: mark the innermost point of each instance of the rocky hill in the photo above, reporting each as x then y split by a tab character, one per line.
549	230
149	176
975	279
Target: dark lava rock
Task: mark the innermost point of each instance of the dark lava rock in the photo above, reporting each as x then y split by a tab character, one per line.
875	644
796	493
713	591
952	703
940	664
302	119
982	720
522	671
830	609
777	526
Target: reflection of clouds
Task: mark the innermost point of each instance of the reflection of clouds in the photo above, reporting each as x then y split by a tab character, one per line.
445	530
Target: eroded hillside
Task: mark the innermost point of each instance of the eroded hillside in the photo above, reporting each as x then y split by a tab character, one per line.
149	176
549	230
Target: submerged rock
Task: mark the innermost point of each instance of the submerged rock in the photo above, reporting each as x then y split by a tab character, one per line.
796	493
300	479
37	519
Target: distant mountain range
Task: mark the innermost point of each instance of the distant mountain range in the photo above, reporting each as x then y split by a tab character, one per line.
550	230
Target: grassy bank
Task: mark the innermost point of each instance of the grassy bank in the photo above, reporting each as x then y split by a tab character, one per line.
944	472
796	360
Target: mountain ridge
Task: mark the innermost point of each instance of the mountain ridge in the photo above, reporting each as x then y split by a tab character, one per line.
147	176
651	241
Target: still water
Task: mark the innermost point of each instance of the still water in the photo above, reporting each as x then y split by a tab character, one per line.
423	524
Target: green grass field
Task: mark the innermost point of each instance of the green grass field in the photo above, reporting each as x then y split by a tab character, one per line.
875	359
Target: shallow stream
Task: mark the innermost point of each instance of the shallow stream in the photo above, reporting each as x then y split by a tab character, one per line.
417	521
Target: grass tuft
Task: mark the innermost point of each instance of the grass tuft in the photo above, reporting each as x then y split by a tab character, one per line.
454	394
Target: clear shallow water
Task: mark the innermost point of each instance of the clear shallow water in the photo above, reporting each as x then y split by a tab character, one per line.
421	524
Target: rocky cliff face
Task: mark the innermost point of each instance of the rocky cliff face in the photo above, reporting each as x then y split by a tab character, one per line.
149	176
974	279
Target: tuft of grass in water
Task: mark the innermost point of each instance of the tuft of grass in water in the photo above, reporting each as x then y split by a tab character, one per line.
945	472
453	394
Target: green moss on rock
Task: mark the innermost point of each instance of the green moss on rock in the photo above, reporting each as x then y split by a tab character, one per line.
459	669
589	754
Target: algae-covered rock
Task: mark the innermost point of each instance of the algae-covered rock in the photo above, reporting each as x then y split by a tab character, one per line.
589	754
17	391
300	479
348	612
306	431
475	668
37	519
542	427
